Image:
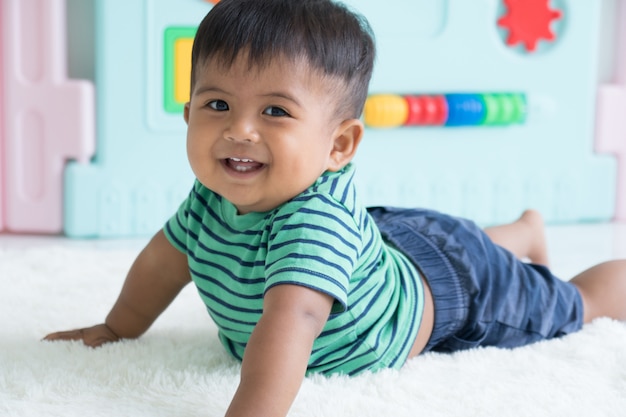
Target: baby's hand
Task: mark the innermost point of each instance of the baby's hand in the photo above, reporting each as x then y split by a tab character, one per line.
91	336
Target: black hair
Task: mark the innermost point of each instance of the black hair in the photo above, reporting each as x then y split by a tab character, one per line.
325	34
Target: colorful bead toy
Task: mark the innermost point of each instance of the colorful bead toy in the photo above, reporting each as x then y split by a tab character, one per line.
458	109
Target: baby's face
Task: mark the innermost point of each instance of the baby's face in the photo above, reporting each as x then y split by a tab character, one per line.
259	137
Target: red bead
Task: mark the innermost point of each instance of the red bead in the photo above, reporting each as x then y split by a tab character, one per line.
416	111
425	110
435	110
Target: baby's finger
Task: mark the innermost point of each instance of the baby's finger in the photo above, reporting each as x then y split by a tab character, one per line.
66	335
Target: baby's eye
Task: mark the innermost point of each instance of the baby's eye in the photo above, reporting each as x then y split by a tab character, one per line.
275	112
219	105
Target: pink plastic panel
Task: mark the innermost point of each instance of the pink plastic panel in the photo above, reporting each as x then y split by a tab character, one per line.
48	118
2	224
611	113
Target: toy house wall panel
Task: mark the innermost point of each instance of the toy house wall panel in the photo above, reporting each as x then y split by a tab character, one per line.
611	110
448	46
140	174
2	163
47	118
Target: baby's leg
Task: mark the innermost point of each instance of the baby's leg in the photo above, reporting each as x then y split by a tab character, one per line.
603	289
525	237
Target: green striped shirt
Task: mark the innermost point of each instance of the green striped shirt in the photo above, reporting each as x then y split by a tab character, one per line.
322	239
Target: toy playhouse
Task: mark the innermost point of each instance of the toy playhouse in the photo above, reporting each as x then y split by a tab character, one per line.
478	108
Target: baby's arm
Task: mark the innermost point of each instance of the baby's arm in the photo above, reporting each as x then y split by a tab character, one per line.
278	351
154	280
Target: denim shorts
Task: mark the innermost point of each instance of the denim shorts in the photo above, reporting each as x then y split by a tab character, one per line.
483	295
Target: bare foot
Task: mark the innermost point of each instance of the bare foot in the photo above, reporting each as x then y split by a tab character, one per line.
525	237
537	251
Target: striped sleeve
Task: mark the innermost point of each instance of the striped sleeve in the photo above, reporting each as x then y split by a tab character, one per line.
175	228
316	246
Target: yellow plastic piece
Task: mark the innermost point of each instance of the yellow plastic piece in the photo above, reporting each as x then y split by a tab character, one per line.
385	110
182	69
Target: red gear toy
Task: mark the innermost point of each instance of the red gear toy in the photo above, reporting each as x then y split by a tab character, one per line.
528	21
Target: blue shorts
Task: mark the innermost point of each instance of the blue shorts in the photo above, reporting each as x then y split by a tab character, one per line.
483	295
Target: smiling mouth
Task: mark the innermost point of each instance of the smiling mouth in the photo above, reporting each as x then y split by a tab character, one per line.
243	165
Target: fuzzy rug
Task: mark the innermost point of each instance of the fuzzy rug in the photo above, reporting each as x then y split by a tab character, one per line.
179	368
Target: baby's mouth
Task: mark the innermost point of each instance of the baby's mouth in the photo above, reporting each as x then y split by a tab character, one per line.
243	164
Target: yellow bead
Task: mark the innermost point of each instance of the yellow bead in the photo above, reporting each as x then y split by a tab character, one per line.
385	110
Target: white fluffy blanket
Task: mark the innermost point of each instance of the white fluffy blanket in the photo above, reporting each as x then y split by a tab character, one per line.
179	369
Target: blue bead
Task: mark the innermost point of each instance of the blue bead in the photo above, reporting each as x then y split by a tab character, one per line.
465	109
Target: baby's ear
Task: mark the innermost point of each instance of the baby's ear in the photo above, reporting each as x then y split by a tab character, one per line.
186	112
346	140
